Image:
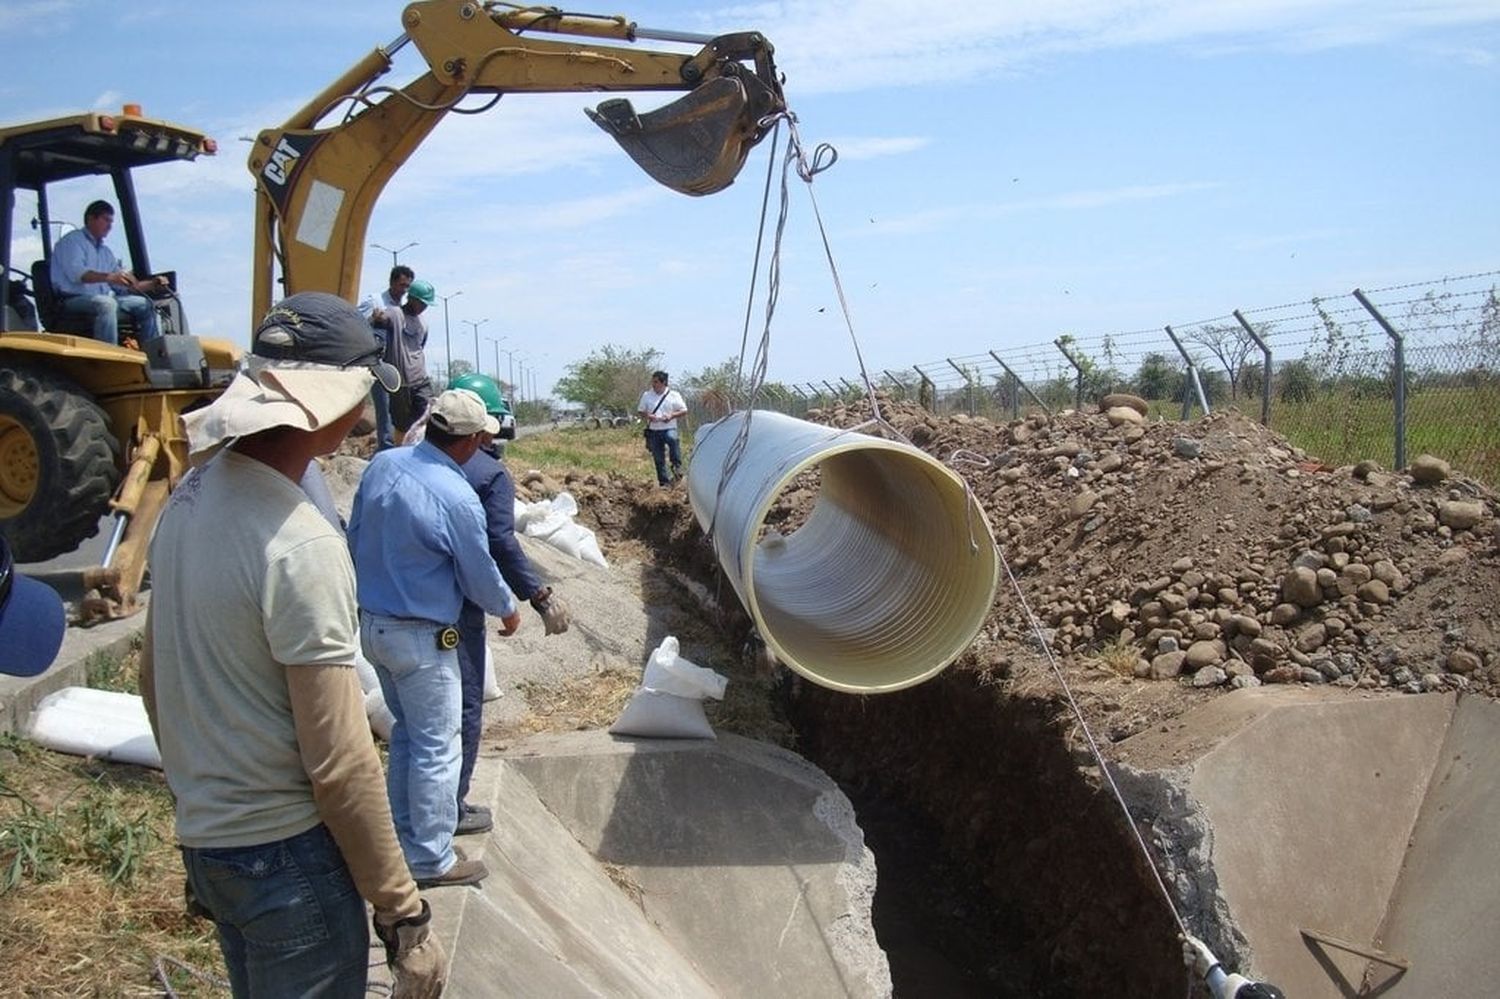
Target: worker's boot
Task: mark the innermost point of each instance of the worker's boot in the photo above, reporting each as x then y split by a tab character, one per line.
473	819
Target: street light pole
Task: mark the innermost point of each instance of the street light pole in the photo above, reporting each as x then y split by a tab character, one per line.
447	338
475	326
496	342
396	253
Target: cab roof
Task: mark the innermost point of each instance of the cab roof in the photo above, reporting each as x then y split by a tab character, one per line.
43	152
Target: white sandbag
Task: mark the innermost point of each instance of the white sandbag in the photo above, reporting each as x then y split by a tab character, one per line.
521	513
368	681
101	723
492	689
669	673
381	719
669	702
552	522
654	715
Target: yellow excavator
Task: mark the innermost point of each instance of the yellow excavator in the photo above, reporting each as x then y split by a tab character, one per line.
87	427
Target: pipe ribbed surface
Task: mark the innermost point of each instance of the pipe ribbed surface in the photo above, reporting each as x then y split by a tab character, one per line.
881	587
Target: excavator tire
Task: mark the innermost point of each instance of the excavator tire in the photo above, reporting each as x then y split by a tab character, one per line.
58	463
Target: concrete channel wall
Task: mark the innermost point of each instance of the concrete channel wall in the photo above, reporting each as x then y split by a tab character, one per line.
1345	841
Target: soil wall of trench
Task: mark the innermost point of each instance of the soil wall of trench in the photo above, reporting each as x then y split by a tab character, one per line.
1074	910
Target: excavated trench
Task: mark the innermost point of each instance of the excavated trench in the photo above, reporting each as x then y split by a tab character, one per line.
1005	867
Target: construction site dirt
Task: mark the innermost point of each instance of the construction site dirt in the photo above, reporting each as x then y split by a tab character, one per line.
1165	564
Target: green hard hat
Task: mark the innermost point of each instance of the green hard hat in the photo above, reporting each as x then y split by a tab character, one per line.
422	291
486	388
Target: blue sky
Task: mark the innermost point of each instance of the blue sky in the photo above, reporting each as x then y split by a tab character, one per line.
1008	172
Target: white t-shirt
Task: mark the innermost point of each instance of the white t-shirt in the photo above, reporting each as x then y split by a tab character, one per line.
657	418
248	580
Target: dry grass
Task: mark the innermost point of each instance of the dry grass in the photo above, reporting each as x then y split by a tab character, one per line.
1119	656
584	702
97	898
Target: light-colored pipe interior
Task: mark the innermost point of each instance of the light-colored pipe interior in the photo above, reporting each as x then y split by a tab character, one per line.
887	580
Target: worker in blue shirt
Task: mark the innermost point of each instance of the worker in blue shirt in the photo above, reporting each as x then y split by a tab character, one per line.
497	494
417	536
88	279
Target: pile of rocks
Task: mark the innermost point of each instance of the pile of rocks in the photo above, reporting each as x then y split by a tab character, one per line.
1215	553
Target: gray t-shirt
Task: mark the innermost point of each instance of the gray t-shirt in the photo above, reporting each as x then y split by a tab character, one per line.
248	580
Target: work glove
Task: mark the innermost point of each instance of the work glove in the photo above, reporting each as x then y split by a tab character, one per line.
555	615
414	955
1196	955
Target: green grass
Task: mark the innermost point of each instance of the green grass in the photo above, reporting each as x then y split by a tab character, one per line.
1459	425
581	451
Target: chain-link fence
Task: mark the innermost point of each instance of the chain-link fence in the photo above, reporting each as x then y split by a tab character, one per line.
1385	374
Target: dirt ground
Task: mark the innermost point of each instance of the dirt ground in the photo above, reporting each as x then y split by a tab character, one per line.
1165	563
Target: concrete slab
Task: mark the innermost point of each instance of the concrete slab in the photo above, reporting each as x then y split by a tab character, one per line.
650	868
1446	906
1348	815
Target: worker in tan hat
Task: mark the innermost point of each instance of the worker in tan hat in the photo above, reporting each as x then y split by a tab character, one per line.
248	678
417	534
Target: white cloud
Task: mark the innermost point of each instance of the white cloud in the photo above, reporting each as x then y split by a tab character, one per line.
858	44
875	147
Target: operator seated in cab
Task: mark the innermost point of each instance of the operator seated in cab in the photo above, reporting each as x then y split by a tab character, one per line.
89	280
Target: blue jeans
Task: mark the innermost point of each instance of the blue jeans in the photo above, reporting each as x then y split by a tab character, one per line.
661	443
421	687
471	644
105	311
290	920
385	427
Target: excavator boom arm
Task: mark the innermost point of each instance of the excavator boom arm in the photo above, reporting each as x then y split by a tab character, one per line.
317	186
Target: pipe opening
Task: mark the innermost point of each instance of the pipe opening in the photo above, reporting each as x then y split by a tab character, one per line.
888	578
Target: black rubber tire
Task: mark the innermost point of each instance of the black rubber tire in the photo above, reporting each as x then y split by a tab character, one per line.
77	462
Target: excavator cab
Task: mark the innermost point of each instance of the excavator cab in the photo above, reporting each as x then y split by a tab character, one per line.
88	427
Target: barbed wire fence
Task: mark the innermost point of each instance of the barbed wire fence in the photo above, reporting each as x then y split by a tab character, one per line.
1383	374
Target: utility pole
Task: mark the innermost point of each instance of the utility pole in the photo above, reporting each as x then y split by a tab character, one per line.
396	253
510	357
447	338
496	342
475	326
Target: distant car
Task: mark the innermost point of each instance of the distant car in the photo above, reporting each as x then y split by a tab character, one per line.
507	421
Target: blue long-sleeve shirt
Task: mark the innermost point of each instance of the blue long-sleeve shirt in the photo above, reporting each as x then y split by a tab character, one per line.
417	537
497	494
76	253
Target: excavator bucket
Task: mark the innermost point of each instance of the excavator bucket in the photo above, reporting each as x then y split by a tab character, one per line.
696	144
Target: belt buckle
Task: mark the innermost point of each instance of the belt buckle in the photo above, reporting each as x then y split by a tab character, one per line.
447	638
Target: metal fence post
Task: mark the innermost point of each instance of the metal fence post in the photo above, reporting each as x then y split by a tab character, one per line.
968	382
1265	381
926	391
1016	404
1077	367
1194	385
1399	342
899	382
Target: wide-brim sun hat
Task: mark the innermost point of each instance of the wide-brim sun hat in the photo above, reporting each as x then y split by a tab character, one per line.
314	360
277	394
32	621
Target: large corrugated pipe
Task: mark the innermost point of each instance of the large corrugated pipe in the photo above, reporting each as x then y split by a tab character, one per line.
887	580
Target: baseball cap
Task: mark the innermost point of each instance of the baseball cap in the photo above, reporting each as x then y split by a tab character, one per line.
315	327
31	620
460	412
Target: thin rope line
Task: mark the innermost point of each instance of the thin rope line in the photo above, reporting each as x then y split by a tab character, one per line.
1088	735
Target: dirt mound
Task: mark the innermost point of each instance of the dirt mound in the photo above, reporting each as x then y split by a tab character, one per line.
1210	553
